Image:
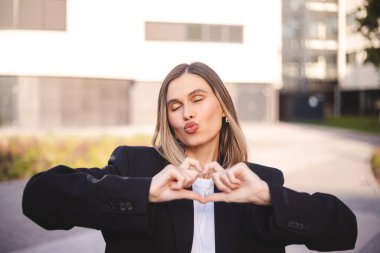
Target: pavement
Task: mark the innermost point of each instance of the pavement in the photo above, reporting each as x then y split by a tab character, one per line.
313	159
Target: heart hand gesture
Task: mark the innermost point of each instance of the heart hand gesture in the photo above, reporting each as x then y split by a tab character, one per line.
172	182
239	184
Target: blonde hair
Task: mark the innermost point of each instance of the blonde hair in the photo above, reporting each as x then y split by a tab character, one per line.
232	146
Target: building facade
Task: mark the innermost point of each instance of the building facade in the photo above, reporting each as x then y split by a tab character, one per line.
69	63
323	54
309	58
310	45
359	83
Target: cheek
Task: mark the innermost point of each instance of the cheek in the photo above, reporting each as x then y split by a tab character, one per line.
173	121
213	111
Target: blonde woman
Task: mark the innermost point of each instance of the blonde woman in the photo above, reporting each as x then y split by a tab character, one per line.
193	191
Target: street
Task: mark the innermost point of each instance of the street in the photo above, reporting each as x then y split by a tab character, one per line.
313	159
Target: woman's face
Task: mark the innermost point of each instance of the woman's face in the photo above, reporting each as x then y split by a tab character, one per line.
194	112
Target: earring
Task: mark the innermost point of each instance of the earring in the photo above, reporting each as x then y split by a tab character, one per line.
226	120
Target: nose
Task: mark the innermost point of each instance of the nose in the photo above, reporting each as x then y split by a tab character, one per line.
188	112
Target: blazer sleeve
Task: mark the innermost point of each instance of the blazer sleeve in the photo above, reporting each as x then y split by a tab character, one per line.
63	197
320	221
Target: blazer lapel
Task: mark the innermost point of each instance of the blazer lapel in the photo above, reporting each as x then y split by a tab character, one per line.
182	215
227	220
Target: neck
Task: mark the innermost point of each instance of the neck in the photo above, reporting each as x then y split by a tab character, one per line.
204	154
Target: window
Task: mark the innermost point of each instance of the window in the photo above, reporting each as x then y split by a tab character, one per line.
161	31
33	14
351	58
8	105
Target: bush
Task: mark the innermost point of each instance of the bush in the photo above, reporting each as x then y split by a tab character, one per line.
369	124
23	156
375	162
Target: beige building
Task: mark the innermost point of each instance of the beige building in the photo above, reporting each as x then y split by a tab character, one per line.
70	63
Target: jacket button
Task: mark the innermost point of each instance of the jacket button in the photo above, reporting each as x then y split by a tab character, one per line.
111	205
291	224
122	206
126	206
129	205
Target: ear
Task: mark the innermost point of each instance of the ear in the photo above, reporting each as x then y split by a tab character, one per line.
224	114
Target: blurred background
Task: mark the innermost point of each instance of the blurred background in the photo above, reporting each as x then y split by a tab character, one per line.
78	78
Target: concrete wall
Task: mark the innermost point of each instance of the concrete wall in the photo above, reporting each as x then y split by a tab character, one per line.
72	102
253	102
56	102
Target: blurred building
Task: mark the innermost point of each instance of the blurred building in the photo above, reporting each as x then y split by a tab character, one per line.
67	63
323	71
309	57
359	82
354	73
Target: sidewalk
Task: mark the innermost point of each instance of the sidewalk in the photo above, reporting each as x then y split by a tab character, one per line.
326	160
312	159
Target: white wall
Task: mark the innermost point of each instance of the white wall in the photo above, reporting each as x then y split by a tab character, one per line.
105	38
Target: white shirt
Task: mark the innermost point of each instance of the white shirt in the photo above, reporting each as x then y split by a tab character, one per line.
204	223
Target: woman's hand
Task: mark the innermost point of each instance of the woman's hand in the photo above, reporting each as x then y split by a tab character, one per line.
210	168
239	184
171	182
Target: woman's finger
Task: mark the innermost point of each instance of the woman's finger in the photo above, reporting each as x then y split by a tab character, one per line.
177	179
187	194
232	177
219	184
213	166
210	168
225	180
189	180
216	197
189	163
193	175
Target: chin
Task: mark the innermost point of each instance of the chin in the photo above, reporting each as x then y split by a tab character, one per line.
192	141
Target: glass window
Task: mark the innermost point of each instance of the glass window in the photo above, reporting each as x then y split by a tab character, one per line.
193	32
6	14
7	100
33	14
236	34
164	31
215	32
55	18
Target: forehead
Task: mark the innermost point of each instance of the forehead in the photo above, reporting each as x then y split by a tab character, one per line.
185	84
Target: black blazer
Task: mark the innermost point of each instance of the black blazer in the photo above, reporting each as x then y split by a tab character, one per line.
115	200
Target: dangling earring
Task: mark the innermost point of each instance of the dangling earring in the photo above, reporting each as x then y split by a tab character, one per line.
226	120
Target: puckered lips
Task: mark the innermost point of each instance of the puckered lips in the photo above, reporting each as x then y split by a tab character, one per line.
191	127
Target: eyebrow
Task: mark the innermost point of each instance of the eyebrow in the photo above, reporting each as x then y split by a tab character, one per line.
189	95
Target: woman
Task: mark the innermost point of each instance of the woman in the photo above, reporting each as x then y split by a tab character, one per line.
194	191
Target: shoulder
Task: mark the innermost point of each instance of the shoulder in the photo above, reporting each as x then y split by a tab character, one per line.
136	160
126	151
267	174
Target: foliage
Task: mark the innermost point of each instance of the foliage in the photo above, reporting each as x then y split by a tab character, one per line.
23	156
364	124
375	161
369	27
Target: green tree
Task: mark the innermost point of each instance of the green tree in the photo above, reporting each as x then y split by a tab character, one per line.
369	27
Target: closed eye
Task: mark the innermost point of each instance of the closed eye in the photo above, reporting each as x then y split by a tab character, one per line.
198	98
175	108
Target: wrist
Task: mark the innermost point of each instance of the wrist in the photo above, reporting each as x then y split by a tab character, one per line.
263	195
153	196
